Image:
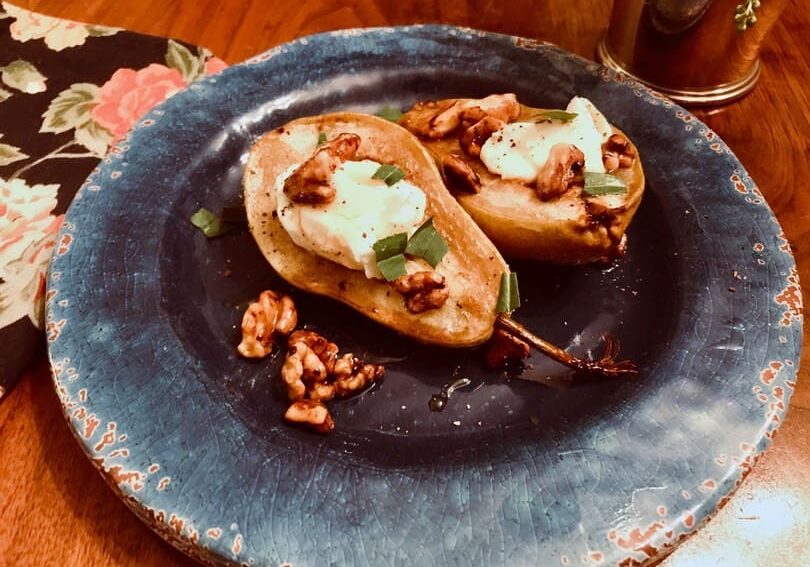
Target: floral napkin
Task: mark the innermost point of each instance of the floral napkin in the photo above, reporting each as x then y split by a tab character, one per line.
67	92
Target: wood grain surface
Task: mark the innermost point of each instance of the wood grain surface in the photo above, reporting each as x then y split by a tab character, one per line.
56	510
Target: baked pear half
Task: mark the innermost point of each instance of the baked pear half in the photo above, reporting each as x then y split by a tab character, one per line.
557	186
374	178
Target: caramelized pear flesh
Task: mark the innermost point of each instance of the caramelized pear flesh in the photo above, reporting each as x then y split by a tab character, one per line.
472	267
570	229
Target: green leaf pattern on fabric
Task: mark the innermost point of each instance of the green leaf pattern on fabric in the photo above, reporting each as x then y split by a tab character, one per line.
101	31
23	76
179	57
70	109
10	154
94	137
4	95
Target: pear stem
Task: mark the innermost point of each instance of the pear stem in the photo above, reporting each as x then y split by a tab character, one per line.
606	365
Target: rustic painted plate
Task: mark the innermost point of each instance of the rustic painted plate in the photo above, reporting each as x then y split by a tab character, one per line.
144	311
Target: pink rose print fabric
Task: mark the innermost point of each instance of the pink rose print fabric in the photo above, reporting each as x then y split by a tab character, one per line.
129	94
68	91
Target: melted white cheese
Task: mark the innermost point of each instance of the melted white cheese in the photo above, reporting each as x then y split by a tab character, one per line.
364	211
520	149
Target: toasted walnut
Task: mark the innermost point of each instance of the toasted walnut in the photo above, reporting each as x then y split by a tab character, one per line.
271	314
503	107
617	153
562	170
311	413
432	118
353	375
301	366
473	138
504	348
325	350
321	391
422	290
313	374
287	317
435	119
310	182
459	176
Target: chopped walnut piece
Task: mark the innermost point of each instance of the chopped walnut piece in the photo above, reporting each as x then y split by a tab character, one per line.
313	374
503	107
301	366
422	290
432	118
473	138
352	374
310	182
272	314
435	119
459	176
321	391
505	348
287	317
617	153
562	170
311	413
326	351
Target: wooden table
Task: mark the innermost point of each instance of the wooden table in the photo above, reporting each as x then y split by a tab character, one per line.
56	510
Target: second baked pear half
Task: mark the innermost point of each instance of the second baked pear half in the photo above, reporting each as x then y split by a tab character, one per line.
553	185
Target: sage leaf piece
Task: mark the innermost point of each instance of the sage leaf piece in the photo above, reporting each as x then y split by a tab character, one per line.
390	246
391	174
555	115
597	184
209	223
509	294
427	243
390	113
393	267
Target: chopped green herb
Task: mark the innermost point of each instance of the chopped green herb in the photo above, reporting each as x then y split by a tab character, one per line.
390	246
321	138
603	184
389	173
509	295
393	267
208	223
427	243
390	113
554	115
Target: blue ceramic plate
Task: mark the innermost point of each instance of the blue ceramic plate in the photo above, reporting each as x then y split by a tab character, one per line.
538	470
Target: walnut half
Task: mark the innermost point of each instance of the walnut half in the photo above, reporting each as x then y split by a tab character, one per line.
310	183
272	314
311	413
313	374
617	153
423	291
563	169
